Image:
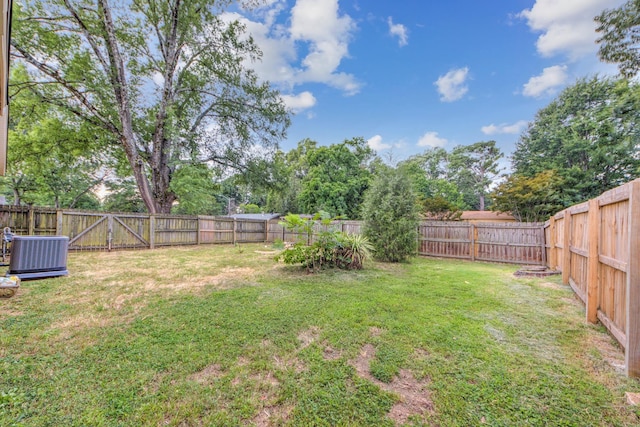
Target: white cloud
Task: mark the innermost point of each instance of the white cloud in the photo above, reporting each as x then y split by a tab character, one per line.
546	83
431	139
451	86
400	31
567	26
299	102
316	28
327	33
376	143
504	128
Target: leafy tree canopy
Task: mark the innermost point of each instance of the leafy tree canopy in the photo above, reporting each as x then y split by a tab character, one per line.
337	178
588	136
165	80
620	37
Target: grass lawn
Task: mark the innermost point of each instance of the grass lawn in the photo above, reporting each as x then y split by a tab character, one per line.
224	336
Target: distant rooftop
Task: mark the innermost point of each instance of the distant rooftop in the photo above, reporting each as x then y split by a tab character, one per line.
258	217
485	216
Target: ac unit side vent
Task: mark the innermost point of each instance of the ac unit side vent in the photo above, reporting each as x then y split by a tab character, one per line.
34	257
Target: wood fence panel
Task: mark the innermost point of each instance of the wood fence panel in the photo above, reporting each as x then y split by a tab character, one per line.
445	239
510	242
86	231
130	232
175	230
614	256
559	241
44	223
249	231
579	249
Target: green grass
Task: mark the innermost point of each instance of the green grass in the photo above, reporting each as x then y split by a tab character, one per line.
222	336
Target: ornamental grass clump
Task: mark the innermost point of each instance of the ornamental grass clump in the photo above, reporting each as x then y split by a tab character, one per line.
330	248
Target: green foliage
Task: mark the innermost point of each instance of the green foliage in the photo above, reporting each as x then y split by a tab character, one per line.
441	209
620	37
123	196
528	199
102	62
250	208
490	349
54	159
330	248
473	168
588	136
195	190
391	216
337	178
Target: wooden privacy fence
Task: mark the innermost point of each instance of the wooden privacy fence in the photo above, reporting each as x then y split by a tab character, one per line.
516	243
108	231
596	245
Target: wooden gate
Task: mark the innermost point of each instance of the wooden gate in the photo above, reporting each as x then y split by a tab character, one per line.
94	231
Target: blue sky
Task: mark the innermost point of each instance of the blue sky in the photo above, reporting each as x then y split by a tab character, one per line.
412	74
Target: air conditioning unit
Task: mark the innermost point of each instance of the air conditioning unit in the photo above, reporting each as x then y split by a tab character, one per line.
35	257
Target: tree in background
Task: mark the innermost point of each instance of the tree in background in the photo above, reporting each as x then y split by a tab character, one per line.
165	80
195	190
390	215
529	199
474	168
431	181
588	136
620	37
337	178
53	159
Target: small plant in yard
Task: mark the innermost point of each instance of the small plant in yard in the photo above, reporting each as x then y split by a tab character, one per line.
331	248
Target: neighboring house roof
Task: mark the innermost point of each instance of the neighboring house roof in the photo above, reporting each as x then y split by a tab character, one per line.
259	217
485	216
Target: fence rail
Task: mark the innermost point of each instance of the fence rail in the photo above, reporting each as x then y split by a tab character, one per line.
596	245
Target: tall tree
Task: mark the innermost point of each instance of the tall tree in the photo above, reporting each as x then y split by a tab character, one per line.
620	37
166	79
53	159
474	168
588	135
337	178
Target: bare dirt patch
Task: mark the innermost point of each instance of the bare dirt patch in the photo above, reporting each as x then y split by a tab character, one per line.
308	337
414	396
611	354
375	331
331	353
208	374
550	285
272	415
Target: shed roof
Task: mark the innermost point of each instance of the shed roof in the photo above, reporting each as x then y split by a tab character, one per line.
486	216
259	217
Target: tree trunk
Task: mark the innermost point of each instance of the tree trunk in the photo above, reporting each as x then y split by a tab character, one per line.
481	202
119	83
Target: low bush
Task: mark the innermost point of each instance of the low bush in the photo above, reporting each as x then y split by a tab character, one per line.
332	248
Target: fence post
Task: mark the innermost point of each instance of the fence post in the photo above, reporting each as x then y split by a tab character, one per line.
234	230
198	230
593	284
632	353
31	218
59	222
266	230
472	249
152	231
566	248
553	251
109	232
